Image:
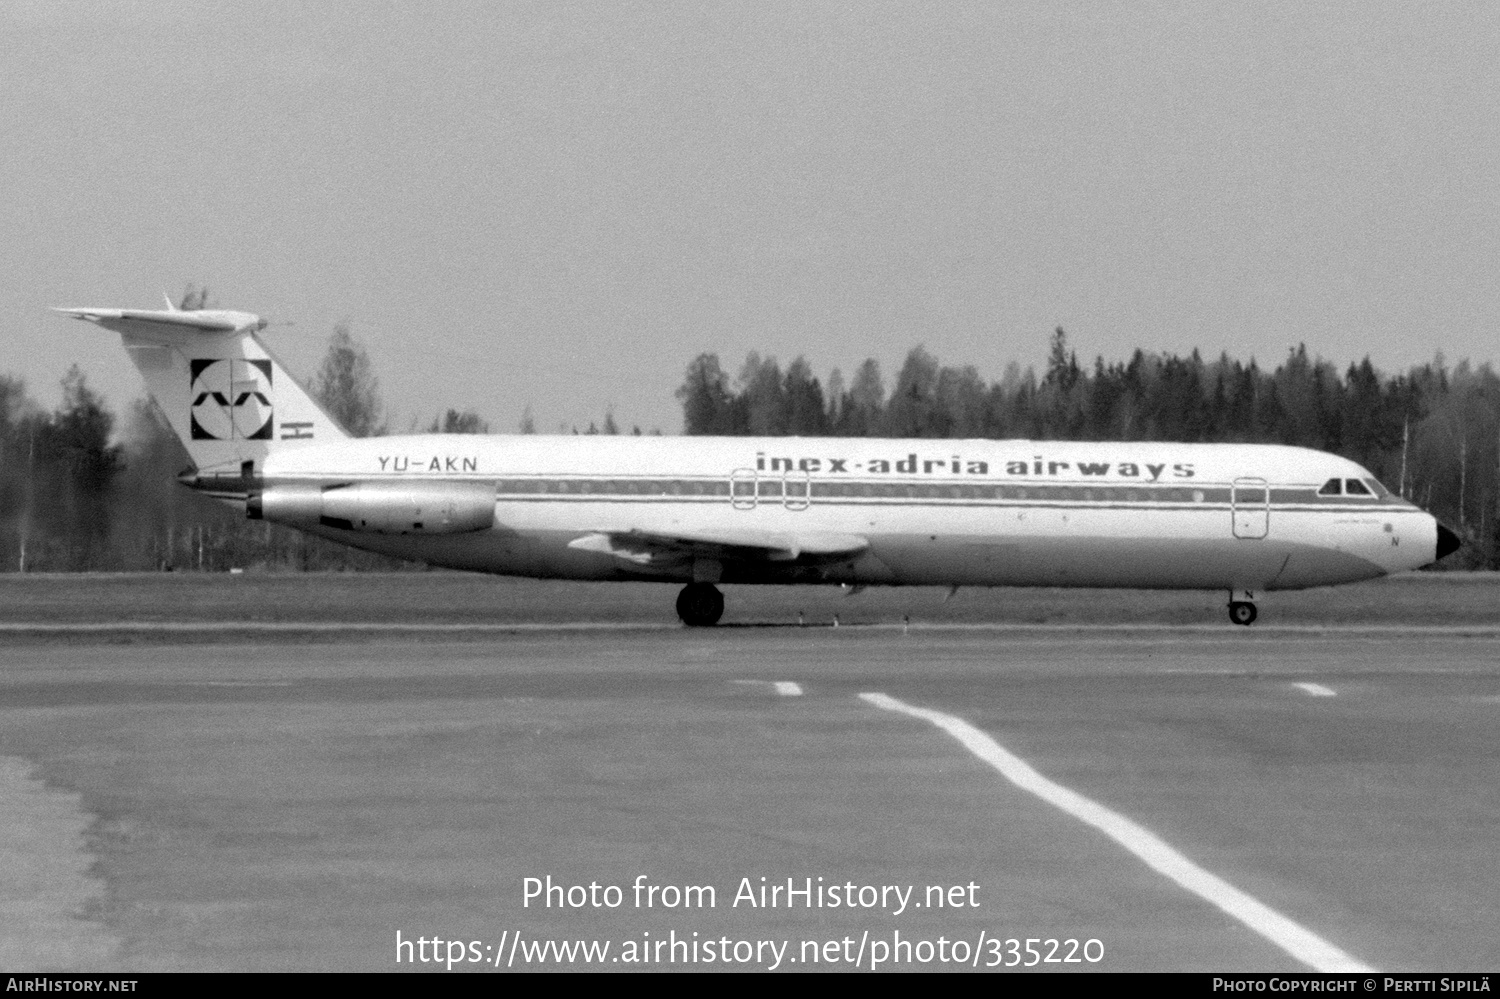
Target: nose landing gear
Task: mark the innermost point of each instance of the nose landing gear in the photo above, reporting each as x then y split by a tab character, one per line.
1241	607
700	605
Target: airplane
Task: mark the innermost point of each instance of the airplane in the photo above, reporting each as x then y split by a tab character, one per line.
705	511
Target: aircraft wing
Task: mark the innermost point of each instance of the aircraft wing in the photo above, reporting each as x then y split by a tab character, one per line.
736	544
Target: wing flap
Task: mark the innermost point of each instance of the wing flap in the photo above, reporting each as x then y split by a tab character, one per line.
738	544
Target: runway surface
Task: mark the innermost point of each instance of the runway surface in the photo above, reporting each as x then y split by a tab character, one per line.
243	803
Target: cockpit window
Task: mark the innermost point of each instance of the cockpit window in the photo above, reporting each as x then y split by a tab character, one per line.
1331	488
1354	487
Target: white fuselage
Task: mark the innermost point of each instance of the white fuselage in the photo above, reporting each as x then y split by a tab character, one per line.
952	512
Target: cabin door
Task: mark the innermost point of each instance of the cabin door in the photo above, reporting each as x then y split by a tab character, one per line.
1250	508
742	488
796	490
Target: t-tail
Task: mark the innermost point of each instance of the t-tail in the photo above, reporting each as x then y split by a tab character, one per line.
226	396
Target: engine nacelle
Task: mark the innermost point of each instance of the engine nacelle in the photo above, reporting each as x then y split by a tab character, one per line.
408	507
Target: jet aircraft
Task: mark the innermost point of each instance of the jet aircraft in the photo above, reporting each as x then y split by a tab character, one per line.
702	511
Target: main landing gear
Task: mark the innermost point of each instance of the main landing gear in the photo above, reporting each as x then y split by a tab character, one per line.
700	605
1241	608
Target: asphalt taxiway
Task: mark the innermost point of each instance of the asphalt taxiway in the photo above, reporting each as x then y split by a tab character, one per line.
243	803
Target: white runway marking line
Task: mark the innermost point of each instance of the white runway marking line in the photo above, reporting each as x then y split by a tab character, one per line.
786	688
1315	689
1291	937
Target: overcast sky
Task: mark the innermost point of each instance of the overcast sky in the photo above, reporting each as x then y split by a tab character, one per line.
559	205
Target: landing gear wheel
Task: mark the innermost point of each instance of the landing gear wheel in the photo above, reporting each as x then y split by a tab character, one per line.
700	605
1241	612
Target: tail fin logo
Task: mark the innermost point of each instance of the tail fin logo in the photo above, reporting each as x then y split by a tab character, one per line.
231	399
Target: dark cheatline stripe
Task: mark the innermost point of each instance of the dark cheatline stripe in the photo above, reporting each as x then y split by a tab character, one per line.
798	494
1093	495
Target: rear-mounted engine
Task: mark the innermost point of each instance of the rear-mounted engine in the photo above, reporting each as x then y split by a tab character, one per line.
380	507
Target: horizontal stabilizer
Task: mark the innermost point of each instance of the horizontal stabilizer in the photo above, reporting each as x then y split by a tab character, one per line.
144	320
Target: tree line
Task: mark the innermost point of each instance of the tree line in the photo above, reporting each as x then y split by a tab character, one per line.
1429	433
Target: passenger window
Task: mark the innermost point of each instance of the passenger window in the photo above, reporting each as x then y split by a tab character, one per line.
1331	488
1354	487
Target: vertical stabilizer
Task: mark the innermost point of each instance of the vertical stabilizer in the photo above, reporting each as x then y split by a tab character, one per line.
225	395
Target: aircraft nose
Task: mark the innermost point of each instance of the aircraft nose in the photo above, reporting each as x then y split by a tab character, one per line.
1447	542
